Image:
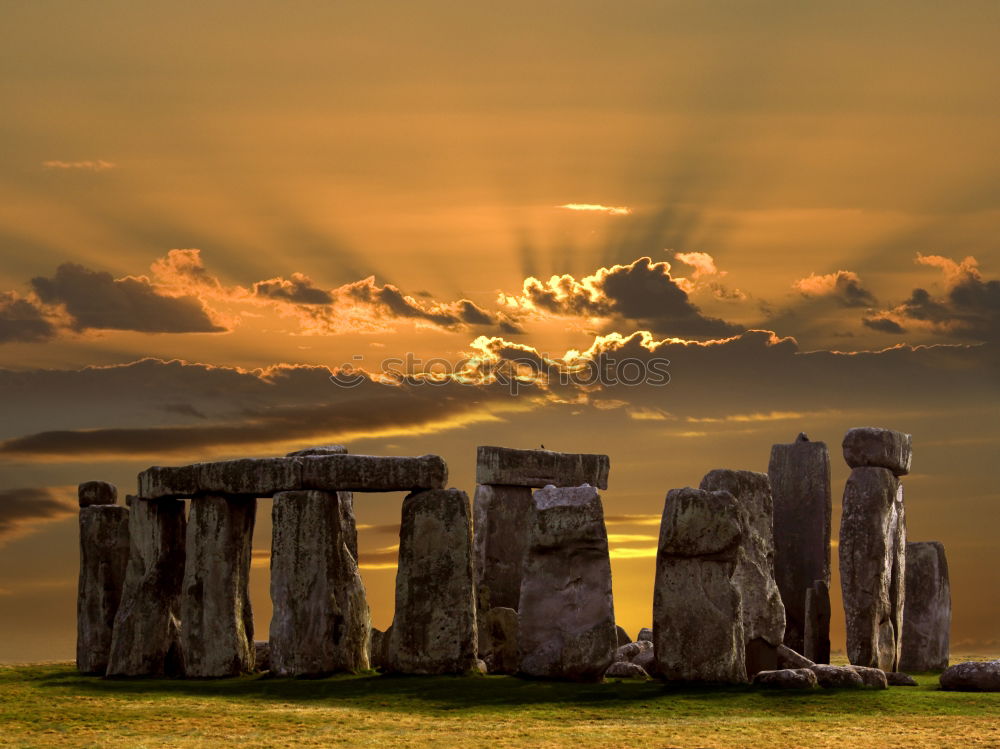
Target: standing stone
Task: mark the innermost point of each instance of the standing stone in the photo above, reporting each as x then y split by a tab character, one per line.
763	612
103	559
817	630
217	632
566	623
146	640
501	542
927	615
697	611
498	640
623	638
321	622
434	627
879	448
346	498
803	508
872	566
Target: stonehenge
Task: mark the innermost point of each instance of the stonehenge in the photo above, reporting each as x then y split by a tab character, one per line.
104	549
803	507
434	627
741	588
927	614
566	619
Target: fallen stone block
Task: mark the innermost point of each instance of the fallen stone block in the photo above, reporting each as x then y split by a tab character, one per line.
872	677
540	468
566	623
899	679
880	448
785	678
927	615
788	658
623	670
837	677
972	676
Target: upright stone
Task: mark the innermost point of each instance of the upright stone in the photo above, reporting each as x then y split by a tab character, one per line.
146	639
816	637
434	627
697	611
803	507
501	541
346	498
927	615
872	566
566	622
104	547
763	611
321	622
217	633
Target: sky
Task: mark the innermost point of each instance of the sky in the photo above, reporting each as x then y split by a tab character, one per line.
216	216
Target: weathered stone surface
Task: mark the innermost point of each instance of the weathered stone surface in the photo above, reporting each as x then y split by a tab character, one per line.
566	623
872	677
321	621
800	485
927	615
623	637
498	640
379	648
837	677
785	678
816	637
97	493
217	631
972	676
434	628
880	448
262	655
763	612
264	477
788	658
646	658
539	468
631	650
625	670
346	498
146	639
697	614
899	679
501	532
104	546
872	565
646	633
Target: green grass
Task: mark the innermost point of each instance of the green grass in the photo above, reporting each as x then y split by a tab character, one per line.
52	705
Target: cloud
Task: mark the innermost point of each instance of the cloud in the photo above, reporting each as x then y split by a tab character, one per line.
21	321
969	308
298	290
643	292
646	552
96	300
702	262
98	165
844	286
23	509
597	208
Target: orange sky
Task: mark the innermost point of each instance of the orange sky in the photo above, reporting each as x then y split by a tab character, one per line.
205	210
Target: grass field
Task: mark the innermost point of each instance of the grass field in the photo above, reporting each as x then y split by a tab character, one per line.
51	705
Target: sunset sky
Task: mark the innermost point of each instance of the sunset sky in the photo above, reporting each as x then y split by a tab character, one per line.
206	209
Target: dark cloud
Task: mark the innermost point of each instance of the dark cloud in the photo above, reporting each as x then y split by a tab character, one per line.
298	290
883	325
642	291
844	286
22	508
22	322
97	300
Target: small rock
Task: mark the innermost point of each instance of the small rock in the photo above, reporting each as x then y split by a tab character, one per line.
837	677
872	677
478	668
623	670
880	448
645	634
97	493
972	677
899	679
785	678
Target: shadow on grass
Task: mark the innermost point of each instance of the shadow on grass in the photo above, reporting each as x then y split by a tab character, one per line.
433	694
